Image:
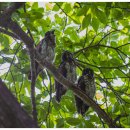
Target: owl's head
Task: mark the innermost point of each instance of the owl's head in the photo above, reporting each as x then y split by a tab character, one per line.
67	56
50	38
88	72
49	33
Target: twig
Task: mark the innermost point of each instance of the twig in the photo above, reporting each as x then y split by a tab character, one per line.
27	27
106	36
20	69
96	45
65	12
13	60
123	45
103	67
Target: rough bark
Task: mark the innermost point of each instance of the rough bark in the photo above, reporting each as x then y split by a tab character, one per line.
12	114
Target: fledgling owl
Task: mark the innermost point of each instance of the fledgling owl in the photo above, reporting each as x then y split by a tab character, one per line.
87	84
46	48
68	69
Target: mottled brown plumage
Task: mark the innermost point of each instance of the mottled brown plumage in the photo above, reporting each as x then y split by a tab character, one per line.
46	48
68	69
87	84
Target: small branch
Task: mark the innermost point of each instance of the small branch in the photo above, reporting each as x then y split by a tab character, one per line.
104	67
106	36
27	27
123	45
33	82
13	60
99	45
65	12
20	69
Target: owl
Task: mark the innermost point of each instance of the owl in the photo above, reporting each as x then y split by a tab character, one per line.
68	69
87	84
46	48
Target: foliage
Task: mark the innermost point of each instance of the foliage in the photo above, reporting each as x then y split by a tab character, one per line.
98	36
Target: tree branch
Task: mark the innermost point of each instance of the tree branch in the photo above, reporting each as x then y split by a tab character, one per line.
12	114
33	82
19	32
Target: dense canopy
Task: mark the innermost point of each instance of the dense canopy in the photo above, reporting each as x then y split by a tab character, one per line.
97	34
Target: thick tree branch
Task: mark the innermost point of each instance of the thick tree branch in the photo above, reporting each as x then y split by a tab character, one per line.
14	27
30	45
11	113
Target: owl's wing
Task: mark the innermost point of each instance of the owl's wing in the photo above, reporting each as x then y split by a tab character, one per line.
60	90
81	106
93	88
81	83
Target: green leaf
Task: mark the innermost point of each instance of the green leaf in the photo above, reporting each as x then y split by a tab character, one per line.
55	8
56	105
95	23
101	16
4	40
119	73
82	11
67	7
1	60
88	124
35	5
60	123
50	123
86	21
117	14
73	121
42	114
115	108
